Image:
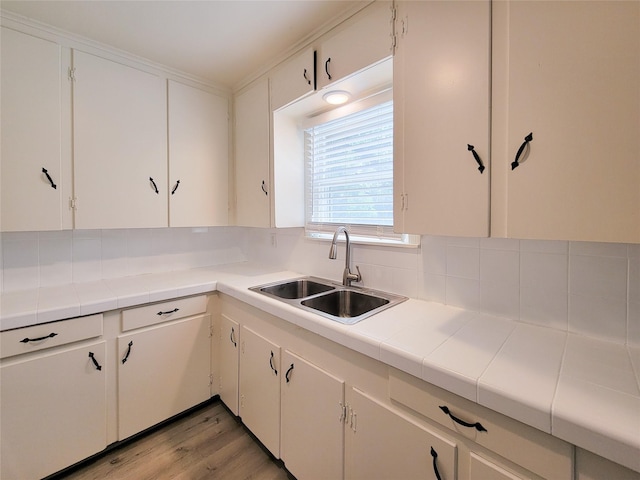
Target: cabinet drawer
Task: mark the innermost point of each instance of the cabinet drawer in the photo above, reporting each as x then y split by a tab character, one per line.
162	312
47	335
526	446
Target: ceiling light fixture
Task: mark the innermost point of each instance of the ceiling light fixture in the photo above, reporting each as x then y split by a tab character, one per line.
336	97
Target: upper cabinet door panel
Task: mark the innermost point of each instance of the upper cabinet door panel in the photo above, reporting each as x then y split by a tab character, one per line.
31	96
358	43
198	157
441	107
120	145
293	80
253	154
570	73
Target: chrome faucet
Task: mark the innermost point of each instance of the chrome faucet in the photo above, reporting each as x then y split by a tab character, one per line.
347	276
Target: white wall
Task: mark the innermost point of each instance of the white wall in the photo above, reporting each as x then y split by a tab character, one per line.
588	288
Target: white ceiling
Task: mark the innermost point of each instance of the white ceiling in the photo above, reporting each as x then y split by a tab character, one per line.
223	42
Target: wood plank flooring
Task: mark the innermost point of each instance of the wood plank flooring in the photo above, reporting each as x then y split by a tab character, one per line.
209	443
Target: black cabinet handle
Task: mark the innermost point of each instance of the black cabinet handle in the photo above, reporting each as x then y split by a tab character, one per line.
326	68
434	454
95	362
471	148
478	426
232	337
126	356
516	162
53	185
286	375
271	364
27	340
305	77
155	187
263	188
176	187
168	312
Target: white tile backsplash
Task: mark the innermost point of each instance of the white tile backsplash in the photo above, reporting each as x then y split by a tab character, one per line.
583	287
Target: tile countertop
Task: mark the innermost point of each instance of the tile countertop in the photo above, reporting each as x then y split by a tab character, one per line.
579	389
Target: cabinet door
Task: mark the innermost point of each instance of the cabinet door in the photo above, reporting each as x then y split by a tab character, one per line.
163	371
382	444
252	134
229	341
293	80
120	145
53	411
569	74
260	388
357	44
484	469
33	93
312	438
198	157
441	110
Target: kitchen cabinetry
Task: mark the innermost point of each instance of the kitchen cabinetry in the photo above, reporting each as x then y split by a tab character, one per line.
260	388
355	44
36	160
441	118
164	364
252	155
569	74
53	396
229	347
313	411
198	157
293	80
381	443
120	145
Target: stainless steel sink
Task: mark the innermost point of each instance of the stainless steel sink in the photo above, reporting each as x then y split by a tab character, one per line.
300	288
329	299
345	303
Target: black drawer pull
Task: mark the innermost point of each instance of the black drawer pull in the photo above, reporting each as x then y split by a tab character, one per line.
232	337
471	148
126	356
516	162
27	340
176	187
53	185
478	426
271	364
95	362
305	77
155	187
434	454
286	375
169	312
264	189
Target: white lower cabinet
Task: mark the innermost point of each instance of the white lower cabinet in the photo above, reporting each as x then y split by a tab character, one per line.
260	388
384	444
312	428
53	410
162	371
484	469
228	348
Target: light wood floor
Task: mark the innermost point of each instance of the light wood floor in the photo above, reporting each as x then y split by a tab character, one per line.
209	443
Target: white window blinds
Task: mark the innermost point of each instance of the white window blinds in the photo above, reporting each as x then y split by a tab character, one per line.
349	170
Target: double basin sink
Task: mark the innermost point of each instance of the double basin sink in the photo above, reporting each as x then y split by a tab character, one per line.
347	305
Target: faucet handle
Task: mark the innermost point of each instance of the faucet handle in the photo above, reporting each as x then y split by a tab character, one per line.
358	276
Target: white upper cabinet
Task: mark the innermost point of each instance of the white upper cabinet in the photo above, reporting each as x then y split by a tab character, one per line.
568	73
294	79
252	155
441	118
36	160
198	157
356	44
120	145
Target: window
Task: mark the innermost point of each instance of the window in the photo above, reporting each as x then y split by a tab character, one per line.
349	171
